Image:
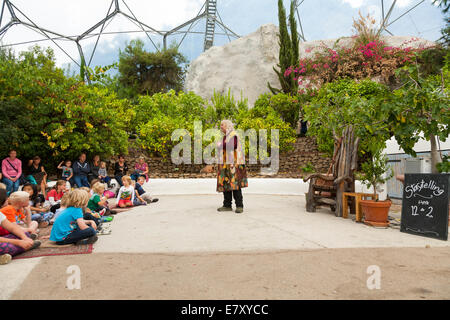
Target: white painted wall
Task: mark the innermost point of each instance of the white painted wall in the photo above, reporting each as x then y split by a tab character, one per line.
422	145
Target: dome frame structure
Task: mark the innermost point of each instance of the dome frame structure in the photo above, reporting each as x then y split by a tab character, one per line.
208	12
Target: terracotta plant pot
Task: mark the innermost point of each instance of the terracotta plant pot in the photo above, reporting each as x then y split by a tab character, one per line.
376	212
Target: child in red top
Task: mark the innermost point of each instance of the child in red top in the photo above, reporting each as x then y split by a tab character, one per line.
54	196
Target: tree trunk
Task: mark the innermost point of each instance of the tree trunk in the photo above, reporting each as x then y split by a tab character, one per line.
435	156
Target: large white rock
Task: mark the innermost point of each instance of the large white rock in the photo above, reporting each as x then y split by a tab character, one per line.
245	65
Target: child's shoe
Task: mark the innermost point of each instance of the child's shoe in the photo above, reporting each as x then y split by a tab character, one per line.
36	244
107	219
89	240
5	259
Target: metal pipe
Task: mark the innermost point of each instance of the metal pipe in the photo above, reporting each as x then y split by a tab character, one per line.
406	12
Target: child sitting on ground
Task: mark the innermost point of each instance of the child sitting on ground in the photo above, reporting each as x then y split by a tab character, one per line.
138	201
63	206
70	227
18	211
54	196
87	213
38	213
13	240
144	196
97	202
125	197
67	172
93	181
103	174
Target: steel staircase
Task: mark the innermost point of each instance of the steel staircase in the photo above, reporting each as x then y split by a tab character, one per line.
211	11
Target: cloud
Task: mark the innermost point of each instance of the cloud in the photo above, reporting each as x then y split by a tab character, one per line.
403	3
354	3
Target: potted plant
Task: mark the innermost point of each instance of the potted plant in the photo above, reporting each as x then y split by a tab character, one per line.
375	172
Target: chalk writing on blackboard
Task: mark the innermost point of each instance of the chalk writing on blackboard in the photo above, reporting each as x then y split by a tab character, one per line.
427	211
422	232
414	190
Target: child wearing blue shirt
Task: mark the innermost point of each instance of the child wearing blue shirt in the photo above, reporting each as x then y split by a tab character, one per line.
70	227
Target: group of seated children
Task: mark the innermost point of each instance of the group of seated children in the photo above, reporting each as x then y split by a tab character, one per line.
75	215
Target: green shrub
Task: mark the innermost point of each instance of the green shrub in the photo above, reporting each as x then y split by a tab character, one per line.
186	105
285	105
48	114
223	107
287	135
342	103
155	136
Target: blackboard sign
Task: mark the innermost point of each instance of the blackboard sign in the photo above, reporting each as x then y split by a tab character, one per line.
425	205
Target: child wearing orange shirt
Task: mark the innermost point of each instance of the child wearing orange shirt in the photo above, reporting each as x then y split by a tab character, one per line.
19	212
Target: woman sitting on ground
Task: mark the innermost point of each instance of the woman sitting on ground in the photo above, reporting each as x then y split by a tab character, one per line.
70	227
95	166
120	169
37	174
11	171
141	169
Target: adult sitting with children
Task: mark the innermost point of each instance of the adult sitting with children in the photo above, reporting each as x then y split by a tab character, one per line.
37	174
140	169
11	171
120	169
95	166
81	170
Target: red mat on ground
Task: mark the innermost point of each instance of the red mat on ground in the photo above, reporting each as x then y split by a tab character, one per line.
56	251
48	248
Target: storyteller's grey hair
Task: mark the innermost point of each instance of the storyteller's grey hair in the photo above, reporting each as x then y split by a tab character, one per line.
229	126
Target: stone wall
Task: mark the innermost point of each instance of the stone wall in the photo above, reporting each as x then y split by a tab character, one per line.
291	163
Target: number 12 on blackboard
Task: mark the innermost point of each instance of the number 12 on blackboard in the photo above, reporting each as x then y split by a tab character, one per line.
415	211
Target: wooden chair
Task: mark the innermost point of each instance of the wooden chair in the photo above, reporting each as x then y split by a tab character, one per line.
321	192
327	189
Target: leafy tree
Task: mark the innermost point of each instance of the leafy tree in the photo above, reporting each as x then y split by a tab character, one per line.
420	107
348	102
444	4
143	72
48	114
285	105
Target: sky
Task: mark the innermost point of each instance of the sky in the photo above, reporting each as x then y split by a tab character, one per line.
321	19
